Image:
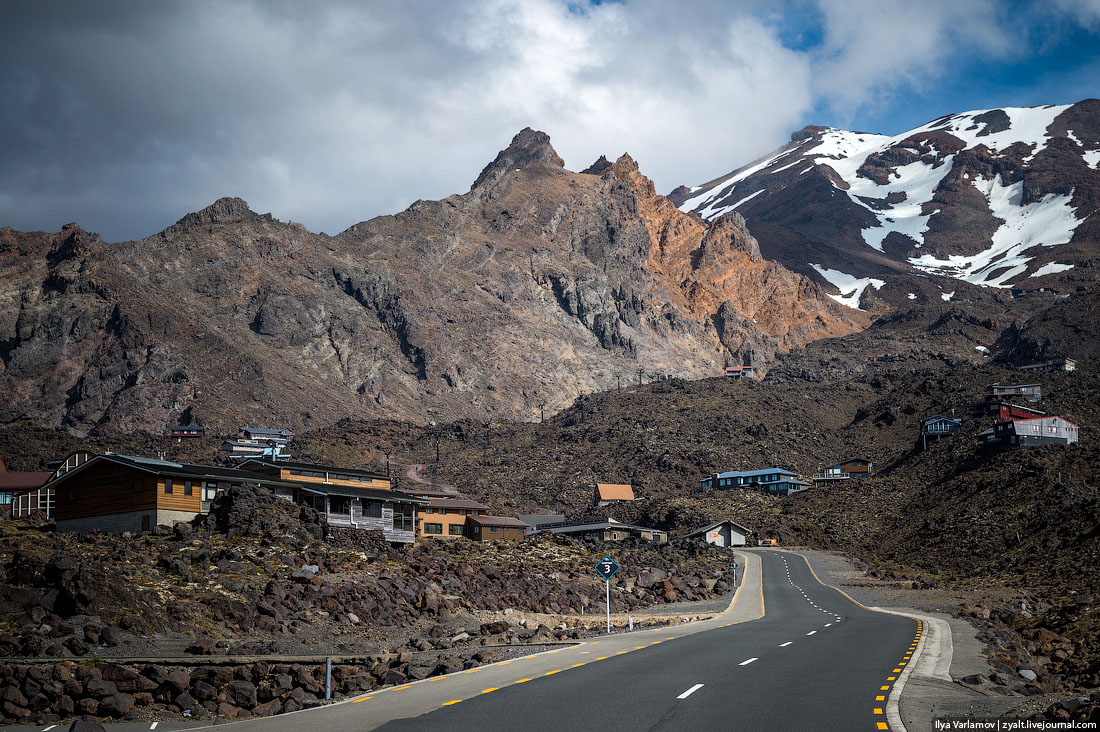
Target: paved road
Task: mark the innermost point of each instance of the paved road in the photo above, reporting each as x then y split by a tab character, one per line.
790	654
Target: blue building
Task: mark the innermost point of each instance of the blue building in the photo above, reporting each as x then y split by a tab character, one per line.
776	481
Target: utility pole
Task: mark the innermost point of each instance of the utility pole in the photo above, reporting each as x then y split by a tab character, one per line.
619	382
640	376
388	454
542	412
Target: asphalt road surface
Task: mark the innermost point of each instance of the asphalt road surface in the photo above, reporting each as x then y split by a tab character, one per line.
815	661
790	655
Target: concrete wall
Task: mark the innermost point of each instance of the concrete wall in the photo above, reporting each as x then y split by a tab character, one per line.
116	523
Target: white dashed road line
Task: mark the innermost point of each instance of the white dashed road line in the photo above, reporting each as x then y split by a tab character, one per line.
784	645
690	691
747	662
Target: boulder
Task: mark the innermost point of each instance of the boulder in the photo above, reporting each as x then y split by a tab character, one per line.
116	705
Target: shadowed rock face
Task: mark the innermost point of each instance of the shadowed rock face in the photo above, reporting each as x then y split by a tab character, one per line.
536	286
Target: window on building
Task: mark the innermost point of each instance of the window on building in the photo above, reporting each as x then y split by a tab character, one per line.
340	505
187	490
403	517
167	485
373	509
456	529
138	485
494	529
209	491
433	528
72	494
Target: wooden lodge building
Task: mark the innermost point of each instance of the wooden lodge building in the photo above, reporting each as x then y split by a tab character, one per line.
447	517
493	528
354	499
776	481
116	493
851	468
603	529
1030	433
1031	392
936	427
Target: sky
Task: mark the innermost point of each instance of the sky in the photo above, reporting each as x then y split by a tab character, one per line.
124	116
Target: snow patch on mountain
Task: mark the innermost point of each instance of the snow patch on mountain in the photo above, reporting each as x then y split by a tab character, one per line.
1092	158
1050	268
1047	222
917	181
851	288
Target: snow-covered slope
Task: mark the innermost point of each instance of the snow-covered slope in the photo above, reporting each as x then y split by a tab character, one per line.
993	197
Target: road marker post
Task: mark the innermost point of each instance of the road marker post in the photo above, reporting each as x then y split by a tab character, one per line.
607	568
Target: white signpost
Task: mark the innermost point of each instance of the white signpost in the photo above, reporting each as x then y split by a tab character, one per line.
607	568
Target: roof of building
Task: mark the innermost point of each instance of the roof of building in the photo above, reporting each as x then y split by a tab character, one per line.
615	491
1040	419
456	503
373	494
753	473
429	492
591	524
852	460
18	481
188	427
267	430
179	470
738	368
705	529
1012	386
313	466
505	521
940	418
541	519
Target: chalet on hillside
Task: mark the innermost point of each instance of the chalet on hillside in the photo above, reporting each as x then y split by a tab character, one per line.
181	431
723	533
936	427
776	481
1006	411
264	434
1054	364
1031	392
604	494
116	493
739	372
495	528
1030	433
349	497
851	468
603	529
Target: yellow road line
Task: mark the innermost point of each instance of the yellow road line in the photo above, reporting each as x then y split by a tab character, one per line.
356	701
522	681
878	710
602	658
880	698
576	665
452	701
555	671
491	688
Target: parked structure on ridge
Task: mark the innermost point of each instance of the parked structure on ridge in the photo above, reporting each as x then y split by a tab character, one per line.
1054	364
936	427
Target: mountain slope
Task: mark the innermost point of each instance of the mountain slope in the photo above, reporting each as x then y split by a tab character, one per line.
537	285
994	198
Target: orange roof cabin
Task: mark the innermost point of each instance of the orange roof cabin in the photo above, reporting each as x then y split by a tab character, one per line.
739	372
350	498
446	518
492	528
116	493
608	493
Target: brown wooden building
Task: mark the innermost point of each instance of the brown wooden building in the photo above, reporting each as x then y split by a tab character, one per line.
493	528
604	494
125	493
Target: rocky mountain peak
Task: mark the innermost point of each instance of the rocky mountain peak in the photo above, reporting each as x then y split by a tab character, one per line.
601	164
226	210
527	148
